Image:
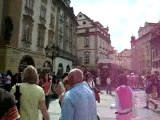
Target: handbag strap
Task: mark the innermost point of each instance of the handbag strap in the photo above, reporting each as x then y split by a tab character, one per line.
17	96
89	86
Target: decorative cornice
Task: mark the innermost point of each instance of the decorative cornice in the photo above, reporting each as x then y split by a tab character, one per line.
42	26
22	49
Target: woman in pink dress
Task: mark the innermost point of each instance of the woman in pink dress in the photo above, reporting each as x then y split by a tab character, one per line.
124	105
47	83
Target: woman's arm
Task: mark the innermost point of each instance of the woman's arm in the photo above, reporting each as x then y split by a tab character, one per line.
42	107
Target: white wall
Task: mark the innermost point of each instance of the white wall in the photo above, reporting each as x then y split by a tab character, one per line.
64	63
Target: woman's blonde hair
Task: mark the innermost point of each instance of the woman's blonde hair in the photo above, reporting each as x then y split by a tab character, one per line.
30	75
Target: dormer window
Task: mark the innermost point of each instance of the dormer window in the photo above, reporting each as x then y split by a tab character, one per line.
84	22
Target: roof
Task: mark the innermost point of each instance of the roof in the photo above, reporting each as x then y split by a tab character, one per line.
147	24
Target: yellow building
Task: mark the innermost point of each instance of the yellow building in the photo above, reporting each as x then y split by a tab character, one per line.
28	27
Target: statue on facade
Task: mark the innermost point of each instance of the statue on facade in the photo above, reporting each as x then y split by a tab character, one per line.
8	28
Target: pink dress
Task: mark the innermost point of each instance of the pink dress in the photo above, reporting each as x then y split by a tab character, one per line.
124	102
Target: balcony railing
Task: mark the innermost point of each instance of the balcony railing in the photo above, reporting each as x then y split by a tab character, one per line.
66	55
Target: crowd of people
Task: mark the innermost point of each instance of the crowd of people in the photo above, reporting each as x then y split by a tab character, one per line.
33	91
9	79
26	93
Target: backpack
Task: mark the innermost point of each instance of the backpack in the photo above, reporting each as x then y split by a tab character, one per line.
17	95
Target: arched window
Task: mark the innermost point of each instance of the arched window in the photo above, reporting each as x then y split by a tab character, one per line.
87	57
25	61
68	68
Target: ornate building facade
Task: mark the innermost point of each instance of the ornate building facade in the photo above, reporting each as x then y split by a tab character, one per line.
37	32
141	49
93	43
155	48
124	60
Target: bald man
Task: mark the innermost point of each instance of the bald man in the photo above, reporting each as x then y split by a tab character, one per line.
79	101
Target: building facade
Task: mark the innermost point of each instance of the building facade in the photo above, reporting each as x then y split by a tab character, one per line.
155	48
124	59
141	49
37	32
93	42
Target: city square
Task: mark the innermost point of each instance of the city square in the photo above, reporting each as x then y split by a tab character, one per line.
54	54
106	113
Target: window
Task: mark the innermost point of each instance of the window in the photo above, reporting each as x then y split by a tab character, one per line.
41	36
156	53
53	5
61	18
50	38
43	11
67	23
153	64
80	60
29	4
27	33
44	1
156	62
87	30
87	57
52	20
80	16
86	42
60	30
60	38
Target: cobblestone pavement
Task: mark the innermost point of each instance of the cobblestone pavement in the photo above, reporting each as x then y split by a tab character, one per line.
104	111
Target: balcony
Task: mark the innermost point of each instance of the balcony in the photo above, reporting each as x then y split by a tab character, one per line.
51	26
105	60
66	55
42	20
86	46
29	11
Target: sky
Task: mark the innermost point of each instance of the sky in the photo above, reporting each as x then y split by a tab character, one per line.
124	17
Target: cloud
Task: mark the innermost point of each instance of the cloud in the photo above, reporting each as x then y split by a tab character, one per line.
123	17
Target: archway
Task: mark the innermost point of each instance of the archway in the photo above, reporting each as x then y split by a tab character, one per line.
68	68
47	66
25	61
60	71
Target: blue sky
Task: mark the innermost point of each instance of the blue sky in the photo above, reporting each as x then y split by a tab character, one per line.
124	17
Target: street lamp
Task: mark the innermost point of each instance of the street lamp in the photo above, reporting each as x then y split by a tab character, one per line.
120	60
52	53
